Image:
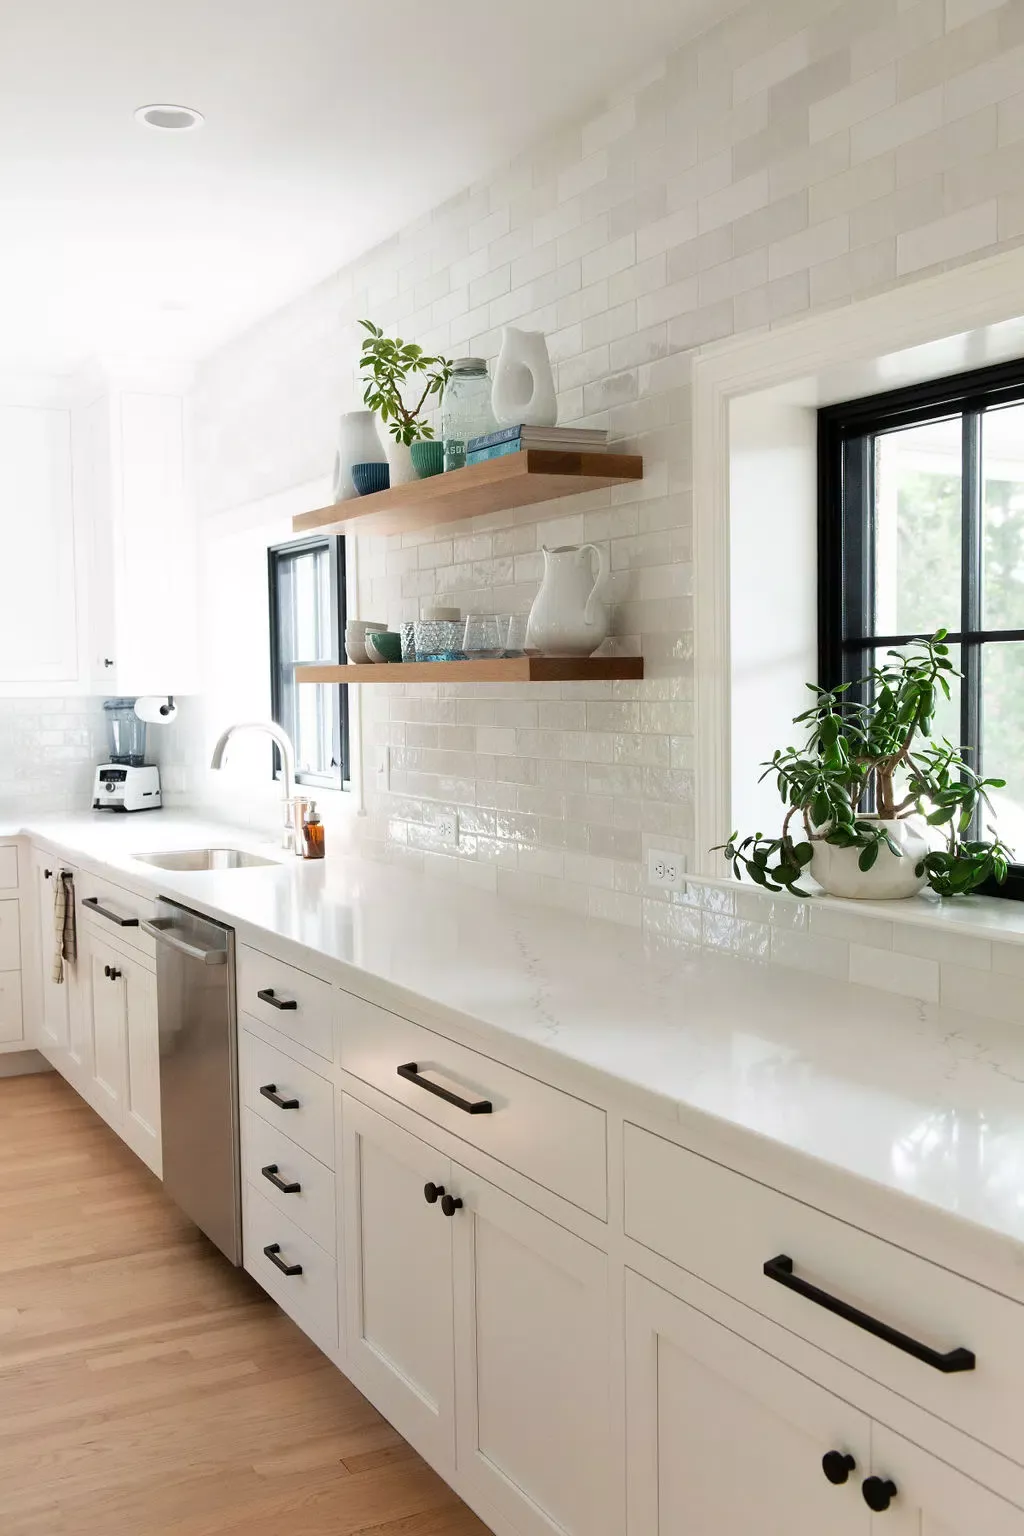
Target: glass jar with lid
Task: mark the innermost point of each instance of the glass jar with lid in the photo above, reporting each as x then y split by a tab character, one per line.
465	408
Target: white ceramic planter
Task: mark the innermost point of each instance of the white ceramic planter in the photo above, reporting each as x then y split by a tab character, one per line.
889	879
399	456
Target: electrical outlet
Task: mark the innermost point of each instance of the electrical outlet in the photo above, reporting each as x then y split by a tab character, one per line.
447	827
666	870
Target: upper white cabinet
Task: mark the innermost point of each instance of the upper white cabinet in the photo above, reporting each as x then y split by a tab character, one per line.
39	611
131	469
98	534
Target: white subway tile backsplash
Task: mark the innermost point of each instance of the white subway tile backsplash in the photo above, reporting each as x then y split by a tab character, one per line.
936	944
770	166
956	235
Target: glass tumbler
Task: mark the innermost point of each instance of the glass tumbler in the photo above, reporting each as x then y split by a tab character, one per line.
482	637
513	633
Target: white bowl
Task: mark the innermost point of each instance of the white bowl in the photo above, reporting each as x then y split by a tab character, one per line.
356	631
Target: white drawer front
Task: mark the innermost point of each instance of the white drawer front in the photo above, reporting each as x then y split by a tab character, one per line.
310	1297
307	1197
549	1136
271	1080
293	1002
10	1007
8	869
114	912
726	1228
10	936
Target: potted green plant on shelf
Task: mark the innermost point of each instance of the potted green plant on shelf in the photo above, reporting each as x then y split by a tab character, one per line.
870	744
387	366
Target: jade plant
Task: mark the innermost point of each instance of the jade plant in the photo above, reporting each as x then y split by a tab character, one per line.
869	758
388	365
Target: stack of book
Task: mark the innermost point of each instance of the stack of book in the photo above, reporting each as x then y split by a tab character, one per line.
494	445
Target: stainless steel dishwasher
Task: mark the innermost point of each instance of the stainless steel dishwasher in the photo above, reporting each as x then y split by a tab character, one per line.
195	981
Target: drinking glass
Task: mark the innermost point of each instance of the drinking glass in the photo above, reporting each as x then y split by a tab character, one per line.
482	638
513	633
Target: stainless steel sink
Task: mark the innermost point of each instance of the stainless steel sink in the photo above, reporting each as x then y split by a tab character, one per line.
191	859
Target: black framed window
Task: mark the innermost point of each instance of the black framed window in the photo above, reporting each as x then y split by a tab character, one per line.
921	525
307	626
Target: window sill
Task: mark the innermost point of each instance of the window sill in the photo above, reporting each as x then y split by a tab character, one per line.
979	917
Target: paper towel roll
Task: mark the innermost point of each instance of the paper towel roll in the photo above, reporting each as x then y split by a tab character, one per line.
156	709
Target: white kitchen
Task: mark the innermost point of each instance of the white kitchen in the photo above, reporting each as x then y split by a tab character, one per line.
511	789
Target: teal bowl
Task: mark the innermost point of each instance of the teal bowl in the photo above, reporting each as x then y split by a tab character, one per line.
386	644
370	479
427	457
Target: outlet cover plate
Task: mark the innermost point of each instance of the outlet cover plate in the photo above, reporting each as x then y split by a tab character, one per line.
667	871
447	828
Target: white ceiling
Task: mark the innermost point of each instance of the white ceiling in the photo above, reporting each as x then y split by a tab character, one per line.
328	126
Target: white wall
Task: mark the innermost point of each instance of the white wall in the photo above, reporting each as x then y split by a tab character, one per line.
798	155
773	582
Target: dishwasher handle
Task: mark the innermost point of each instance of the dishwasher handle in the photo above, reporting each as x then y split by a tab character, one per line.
161	930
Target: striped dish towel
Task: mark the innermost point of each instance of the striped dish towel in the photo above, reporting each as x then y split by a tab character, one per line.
65	933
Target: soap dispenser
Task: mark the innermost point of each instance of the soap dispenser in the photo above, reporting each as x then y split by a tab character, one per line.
312	834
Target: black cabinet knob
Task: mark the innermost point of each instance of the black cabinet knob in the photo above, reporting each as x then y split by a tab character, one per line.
837	1466
114	973
432	1193
47	874
106	971
450	1204
878	1493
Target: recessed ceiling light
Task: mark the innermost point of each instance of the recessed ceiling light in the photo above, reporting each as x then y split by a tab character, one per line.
169	117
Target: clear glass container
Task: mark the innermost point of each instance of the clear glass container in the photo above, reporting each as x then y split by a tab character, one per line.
408	634
127	733
465	408
513	633
482	637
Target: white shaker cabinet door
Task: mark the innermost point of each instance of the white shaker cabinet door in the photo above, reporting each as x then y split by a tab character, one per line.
141	1128
723	1438
398	1279
109	1032
39	606
915	1494
532	1366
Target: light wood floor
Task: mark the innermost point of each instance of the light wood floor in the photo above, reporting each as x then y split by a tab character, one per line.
149	1389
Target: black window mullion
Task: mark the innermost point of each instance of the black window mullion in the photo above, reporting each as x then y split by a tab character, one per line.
283	622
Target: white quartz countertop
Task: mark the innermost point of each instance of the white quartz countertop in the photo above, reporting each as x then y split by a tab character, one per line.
916	1099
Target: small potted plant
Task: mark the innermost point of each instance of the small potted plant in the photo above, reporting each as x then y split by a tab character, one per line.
387	366
875	808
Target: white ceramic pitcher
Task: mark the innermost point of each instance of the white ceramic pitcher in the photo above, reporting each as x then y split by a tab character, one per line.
567	617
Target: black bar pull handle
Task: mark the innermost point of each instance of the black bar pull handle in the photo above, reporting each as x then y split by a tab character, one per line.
271	1174
93	903
269	1091
411	1072
272	1250
780	1269
285	1005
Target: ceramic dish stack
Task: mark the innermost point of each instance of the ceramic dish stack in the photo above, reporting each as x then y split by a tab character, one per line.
356	631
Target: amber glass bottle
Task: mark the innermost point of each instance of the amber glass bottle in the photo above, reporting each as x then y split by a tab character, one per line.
313	834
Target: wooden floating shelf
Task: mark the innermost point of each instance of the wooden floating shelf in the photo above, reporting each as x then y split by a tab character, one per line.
496	485
514	669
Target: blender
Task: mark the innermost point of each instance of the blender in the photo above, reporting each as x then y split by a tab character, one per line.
126	782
